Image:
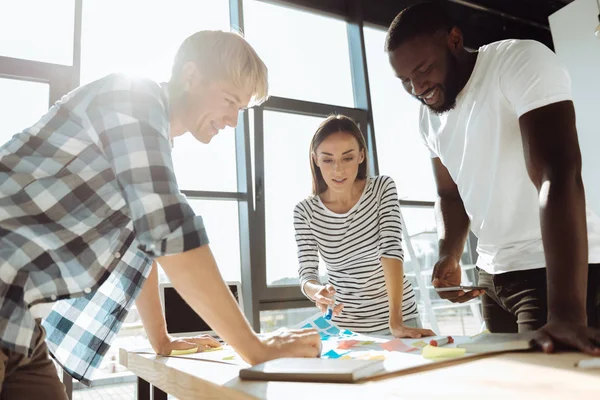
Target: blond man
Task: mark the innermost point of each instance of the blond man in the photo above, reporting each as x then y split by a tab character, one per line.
89	204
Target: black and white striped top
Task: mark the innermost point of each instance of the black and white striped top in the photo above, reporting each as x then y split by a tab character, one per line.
352	244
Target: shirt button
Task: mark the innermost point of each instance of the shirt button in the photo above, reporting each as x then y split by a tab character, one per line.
87	290
117	255
53	297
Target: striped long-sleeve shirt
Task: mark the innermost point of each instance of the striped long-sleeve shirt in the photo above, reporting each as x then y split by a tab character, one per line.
352	245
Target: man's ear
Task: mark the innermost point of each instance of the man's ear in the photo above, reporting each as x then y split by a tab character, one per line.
190	75
455	40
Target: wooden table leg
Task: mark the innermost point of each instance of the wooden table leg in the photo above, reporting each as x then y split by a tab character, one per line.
143	389
158	394
146	391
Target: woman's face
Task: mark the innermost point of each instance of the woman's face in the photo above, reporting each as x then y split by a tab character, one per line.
338	158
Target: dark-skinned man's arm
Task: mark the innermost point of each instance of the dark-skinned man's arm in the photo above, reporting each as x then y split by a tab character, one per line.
453	229
553	161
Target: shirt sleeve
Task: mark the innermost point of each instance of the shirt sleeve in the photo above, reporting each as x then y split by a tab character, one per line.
131	120
532	76
390	221
308	253
423	129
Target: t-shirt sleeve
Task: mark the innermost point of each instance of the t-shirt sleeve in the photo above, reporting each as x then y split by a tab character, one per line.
532	76
423	129
390	221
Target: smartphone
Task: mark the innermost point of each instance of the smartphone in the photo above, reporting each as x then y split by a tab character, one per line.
456	288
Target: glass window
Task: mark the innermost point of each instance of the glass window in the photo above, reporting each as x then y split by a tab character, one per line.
200	166
451	318
287	181
141	37
272	320
307	54
38	30
221	221
401	153
22	103
147	46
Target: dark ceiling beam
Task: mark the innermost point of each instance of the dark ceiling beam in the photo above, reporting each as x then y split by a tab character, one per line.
500	14
481	25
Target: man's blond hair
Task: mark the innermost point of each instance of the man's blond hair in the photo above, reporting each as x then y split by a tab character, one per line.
225	56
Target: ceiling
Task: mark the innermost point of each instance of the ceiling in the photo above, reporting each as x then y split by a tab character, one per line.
482	21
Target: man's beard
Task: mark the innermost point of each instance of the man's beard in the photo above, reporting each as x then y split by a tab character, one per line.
450	87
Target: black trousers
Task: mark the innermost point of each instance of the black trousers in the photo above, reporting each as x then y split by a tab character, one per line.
517	301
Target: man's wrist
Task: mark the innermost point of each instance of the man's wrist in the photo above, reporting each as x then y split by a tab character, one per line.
254	351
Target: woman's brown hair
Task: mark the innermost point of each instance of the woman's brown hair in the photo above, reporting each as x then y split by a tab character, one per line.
334	124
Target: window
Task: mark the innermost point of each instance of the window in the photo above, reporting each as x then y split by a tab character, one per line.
401	153
304	63
199	166
141	37
147	46
287	181
420	234
38	30
221	222
22	103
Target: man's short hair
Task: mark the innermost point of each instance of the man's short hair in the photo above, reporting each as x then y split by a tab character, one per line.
425	18
225	56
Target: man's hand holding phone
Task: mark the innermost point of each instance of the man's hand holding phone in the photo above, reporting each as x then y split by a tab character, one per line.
446	279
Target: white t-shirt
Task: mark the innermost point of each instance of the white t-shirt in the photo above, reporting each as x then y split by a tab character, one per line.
479	142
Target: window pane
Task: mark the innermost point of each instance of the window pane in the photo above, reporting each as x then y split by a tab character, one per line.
200	166
222	226
147	46
287	181
451	318
38	30
307	54
22	103
141	37
272	320
401	153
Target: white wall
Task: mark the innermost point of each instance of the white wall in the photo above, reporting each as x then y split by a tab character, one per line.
574	41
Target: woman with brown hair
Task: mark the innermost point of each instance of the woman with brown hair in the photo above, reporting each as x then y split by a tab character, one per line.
352	220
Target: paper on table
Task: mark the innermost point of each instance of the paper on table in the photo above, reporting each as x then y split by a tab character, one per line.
396	345
347	344
441	353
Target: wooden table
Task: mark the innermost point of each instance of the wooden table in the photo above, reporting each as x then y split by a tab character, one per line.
504	376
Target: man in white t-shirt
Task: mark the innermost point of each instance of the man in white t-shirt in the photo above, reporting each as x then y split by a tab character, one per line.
500	125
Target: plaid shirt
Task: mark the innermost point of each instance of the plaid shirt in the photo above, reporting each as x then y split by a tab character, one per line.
88	198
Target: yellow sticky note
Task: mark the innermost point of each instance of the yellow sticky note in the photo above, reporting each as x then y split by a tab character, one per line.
228	358
183	352
346	357
440	353
419	344
376	357
213	349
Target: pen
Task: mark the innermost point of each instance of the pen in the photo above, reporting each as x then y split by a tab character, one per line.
442	341
329	313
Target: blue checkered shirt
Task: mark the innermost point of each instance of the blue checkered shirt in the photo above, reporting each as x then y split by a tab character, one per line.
88	198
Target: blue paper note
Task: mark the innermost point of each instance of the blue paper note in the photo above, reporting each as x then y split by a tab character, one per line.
307	326
333	330
334	354
321	323
323	336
